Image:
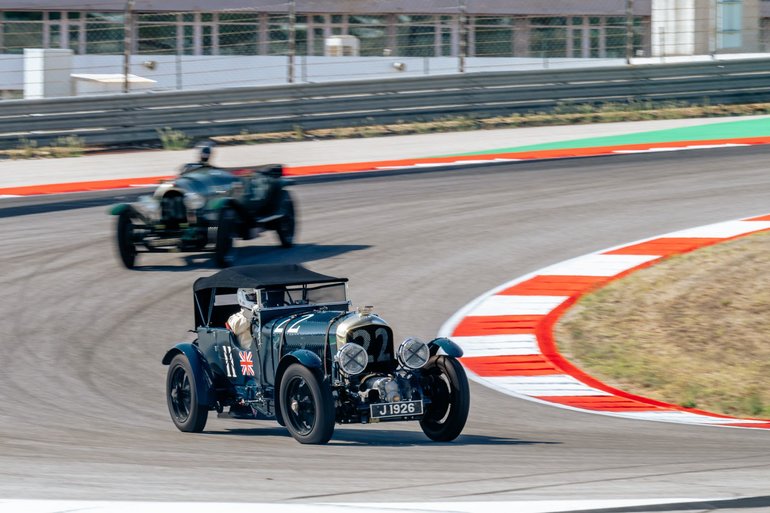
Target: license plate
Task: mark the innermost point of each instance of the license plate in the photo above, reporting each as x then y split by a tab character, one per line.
400	409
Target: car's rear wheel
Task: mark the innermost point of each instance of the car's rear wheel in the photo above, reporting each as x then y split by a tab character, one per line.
182	397
447	387
288	223
307	405
126	247
224	254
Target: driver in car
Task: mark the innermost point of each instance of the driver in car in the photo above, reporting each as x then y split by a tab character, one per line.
240	322
205	149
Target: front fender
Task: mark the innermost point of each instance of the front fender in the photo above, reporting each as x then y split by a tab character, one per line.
118	209
447	346
197	362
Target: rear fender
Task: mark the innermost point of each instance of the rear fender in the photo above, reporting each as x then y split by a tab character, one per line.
203	381
302	356
444	346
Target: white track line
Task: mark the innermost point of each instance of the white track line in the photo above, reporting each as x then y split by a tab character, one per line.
564	506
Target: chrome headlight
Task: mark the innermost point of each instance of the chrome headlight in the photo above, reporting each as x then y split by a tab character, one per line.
194	201
352	359
413	353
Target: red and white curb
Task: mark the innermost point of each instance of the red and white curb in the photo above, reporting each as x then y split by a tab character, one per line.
551	506
403	164
507	333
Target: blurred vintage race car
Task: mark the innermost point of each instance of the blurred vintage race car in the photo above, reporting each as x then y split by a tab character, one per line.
310	361
204	208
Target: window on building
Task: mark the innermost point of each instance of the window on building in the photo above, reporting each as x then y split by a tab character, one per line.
278	34
22	30
104	32
729	24
157	33
371	31
238	33
416	36
493	36
548	37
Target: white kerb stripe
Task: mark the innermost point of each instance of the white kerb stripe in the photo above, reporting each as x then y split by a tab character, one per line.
721	230
683	416
497	345
596	265
517	305
544	386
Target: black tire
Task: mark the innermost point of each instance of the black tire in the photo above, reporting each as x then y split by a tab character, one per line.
307	405
182	397
447	386
224	254
126	247
287	226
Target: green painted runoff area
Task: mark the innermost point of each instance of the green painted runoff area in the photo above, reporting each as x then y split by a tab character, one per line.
709	132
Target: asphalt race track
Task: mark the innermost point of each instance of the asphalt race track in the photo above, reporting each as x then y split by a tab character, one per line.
82	405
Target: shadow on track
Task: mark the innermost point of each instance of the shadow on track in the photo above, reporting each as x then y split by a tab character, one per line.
387	438
246	255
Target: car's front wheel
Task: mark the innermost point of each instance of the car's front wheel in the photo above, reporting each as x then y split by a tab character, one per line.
126	247
447	387
307	405
182	397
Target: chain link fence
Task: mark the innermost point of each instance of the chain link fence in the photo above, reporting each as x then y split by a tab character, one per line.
296	45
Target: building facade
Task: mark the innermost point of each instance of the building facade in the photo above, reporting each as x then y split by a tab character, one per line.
430	28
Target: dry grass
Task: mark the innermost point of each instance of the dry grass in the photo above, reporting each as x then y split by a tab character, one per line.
561	115
693	330
567	114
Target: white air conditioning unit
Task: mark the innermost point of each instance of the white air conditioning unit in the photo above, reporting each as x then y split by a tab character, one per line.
341	46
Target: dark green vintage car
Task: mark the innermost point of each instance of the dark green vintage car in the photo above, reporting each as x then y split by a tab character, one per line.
205	208
310	361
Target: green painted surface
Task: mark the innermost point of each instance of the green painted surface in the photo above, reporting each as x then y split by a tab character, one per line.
724	130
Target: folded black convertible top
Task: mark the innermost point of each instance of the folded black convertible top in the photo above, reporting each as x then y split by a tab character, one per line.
261	276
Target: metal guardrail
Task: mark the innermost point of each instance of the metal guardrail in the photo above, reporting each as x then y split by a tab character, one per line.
135	118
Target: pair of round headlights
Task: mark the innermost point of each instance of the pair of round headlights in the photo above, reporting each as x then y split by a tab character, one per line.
412	354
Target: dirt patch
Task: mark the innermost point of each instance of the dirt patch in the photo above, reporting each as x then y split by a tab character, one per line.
693	330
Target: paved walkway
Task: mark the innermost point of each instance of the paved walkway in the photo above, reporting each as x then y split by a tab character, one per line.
159	163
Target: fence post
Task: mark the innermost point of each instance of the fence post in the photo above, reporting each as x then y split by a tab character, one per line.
463	43
629	30
128	32
292	40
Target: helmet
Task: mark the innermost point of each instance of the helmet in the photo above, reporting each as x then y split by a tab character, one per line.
205	149
247	298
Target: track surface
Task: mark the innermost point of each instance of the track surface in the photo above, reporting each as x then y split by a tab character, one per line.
83	411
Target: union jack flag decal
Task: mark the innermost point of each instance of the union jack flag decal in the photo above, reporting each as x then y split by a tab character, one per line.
247	365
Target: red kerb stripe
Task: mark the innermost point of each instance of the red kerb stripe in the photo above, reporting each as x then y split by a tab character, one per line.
497	325
509	365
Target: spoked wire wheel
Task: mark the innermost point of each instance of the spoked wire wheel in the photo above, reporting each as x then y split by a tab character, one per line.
447	386
182	397
302	414
307	405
